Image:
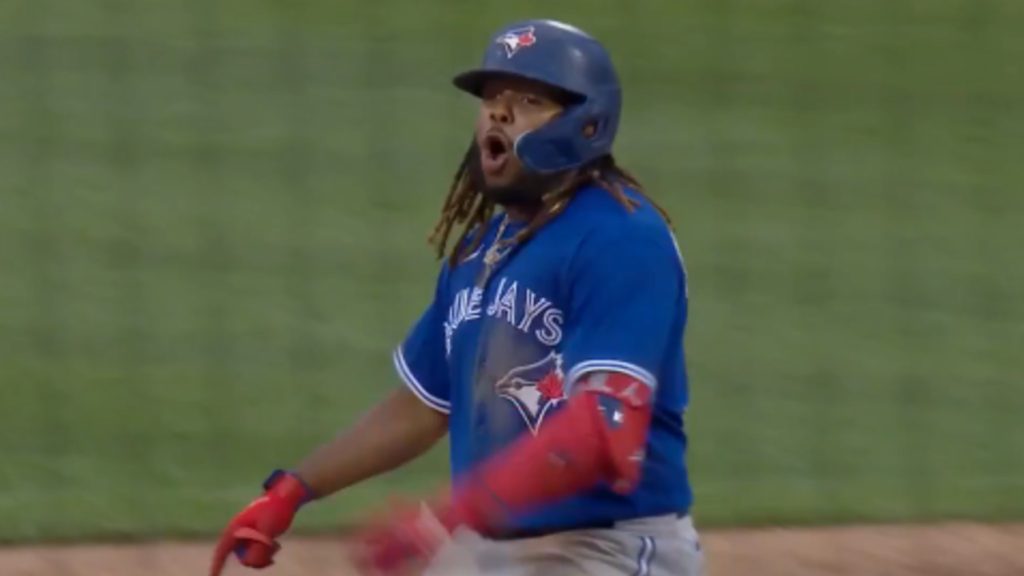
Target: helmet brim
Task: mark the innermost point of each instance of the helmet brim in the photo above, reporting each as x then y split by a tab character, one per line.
472	81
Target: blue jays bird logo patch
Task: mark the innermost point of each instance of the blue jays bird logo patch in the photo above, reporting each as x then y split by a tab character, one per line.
514	40
534	388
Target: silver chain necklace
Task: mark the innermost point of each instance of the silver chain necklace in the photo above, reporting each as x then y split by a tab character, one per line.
498	249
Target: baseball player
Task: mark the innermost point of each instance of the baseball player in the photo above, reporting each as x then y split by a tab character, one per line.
551	353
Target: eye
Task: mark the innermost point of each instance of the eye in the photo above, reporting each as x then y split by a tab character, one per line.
531	100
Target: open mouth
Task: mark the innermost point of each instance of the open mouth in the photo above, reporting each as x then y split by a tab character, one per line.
494	150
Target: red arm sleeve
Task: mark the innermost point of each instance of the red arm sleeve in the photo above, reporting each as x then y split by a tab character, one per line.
599	436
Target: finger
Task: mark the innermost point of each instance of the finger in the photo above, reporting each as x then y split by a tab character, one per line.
220	555
247	533
254	548
254	554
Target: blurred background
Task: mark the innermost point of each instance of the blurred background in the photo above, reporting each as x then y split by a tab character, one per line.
213	221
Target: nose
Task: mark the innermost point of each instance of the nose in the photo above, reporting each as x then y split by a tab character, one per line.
500	113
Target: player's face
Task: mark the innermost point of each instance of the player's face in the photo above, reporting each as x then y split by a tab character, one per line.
509	107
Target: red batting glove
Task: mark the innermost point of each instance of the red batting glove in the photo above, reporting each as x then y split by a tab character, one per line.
252	534
410	536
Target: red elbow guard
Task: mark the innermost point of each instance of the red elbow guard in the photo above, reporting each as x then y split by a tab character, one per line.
599	436
625	410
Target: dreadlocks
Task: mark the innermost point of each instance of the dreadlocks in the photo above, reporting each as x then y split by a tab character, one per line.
467	205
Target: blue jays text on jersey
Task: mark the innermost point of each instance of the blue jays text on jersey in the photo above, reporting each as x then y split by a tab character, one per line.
528	311
599	288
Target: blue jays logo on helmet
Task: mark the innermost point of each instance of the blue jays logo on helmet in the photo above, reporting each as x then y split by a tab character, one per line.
534	388
514	40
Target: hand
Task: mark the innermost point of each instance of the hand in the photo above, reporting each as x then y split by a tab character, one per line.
409	537
252	534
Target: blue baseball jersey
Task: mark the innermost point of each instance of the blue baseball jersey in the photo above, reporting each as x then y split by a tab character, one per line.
598	288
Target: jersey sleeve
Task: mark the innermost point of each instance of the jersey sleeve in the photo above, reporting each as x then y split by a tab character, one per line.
421	359
627	306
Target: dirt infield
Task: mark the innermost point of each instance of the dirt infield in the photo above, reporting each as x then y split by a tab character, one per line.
937	550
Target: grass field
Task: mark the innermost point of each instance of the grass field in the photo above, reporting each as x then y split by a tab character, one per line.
212	225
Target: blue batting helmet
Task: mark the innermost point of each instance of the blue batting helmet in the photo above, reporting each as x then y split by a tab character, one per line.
567	58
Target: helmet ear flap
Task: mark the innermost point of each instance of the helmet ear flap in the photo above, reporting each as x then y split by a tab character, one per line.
567	141
597	131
